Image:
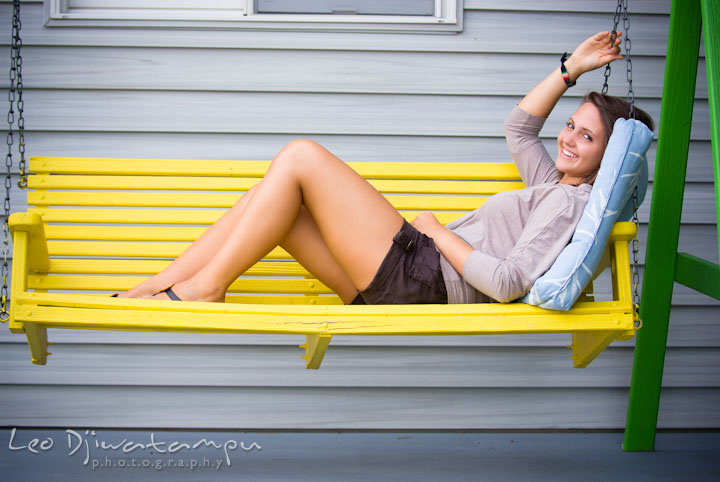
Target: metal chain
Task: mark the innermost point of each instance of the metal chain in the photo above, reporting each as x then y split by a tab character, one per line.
636	261
14	98
613	36
17	61
628	60
622	9
631	101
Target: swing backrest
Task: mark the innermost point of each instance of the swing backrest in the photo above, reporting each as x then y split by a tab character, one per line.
624	166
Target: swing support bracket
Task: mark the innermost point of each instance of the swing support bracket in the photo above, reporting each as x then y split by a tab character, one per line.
30	255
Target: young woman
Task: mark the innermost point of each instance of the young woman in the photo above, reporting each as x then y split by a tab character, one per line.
347	235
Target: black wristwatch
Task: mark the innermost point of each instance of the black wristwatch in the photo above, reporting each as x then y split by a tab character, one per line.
563	70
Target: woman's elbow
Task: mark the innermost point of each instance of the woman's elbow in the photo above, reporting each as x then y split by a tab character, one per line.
509	287
506	297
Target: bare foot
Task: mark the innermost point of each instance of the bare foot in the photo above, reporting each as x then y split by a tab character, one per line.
140	291
186	291
147	288
134	293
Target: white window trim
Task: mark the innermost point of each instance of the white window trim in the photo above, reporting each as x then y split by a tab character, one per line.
447	19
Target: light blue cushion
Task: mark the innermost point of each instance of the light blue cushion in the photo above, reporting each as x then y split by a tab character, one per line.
623	166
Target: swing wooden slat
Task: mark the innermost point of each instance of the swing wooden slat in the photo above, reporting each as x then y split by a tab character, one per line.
213	200
497	318
137	266
485	171
125	233
162	217
108	283
159	183
93	227
130	249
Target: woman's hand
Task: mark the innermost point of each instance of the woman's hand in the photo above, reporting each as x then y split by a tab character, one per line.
427	224
450	245
593	53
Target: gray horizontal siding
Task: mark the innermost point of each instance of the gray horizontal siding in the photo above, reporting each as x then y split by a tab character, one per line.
339	407
596	6
484	31
306	114
258	70
346	366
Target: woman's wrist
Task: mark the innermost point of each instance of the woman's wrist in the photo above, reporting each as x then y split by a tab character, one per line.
572	70
435	232
453	248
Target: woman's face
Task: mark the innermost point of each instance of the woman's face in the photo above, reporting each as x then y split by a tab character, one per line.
581	145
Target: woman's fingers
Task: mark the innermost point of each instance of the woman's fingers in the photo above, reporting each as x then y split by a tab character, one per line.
598	50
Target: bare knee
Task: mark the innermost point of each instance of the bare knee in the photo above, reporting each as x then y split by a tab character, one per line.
301	153
302	145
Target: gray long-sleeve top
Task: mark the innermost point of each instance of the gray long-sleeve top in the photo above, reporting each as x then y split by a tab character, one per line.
516	235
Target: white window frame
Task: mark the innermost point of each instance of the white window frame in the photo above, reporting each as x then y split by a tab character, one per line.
240	14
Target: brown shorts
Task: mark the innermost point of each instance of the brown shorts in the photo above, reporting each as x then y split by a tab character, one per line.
409	274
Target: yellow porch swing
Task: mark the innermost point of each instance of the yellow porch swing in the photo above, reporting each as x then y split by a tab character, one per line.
103	225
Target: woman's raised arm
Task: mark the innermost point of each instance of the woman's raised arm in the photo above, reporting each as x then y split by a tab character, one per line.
592	54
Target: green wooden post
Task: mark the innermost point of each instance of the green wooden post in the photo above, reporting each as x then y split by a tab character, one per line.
711	32
664	226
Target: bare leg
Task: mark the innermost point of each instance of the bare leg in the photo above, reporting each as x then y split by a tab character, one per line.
196	255
355	221
307	246
303	242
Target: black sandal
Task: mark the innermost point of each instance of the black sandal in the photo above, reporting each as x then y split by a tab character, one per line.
168	291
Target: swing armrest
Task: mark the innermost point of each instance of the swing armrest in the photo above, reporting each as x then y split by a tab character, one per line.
622	231
38	258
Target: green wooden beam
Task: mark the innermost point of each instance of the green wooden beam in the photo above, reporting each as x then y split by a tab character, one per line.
698	274
711	32
664	227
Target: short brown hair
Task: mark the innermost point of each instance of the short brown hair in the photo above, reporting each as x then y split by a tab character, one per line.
612	108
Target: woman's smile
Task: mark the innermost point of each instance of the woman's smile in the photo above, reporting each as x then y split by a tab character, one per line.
567	153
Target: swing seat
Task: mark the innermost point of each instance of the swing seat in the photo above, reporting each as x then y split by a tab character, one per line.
95	226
